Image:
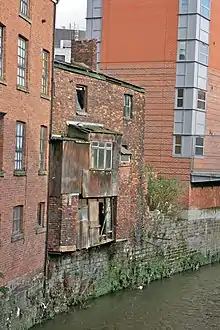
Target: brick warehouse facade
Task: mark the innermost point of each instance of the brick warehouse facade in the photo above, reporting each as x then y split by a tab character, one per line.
75	185
26	52
180	56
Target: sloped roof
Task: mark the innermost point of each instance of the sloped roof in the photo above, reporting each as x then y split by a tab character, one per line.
95	129
78	68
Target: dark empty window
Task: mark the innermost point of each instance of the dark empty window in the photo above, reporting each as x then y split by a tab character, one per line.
19	146
105	218
180	97
60	58
45	73
41	214
199	146
178	144
201	100
101	155
81	98
43	146
182	50
128	106
17	220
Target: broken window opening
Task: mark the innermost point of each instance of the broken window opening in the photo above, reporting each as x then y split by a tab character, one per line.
83	211
95	222
125	154
81	94
105	219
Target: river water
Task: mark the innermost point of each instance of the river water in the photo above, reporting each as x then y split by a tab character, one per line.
186	301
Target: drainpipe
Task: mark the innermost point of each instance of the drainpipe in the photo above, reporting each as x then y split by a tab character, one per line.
50	147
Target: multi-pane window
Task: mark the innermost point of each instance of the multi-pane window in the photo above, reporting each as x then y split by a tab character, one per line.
180	97
178	144
199	146
22	62
1	50
205	8
204	30
203	53
182	50
127	106
202	76
19	146
17	220
45	72
43	147
24	7
41	215
101	155
201	99
183	27
81	98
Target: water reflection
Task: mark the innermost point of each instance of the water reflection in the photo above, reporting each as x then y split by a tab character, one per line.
187	301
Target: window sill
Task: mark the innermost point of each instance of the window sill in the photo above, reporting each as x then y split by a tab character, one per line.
40	230
2	174
19	173
3	82
17	237
23	89
81	113
101	170
42	172
125	164
198	156
107	241
27	19
45	97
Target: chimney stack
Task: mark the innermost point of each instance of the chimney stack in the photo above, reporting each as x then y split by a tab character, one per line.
85	51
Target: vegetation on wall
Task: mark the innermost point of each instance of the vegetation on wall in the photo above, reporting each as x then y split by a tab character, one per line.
3	289
163	193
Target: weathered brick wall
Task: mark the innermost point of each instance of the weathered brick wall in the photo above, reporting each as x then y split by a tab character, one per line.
105	106
154	68
158	78
169	246
23	256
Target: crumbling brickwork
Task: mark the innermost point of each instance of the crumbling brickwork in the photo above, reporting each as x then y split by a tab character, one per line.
84	51
105	105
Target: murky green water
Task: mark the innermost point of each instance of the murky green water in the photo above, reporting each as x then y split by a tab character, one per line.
188	301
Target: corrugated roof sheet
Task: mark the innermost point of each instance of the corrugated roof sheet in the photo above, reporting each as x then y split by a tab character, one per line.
95	129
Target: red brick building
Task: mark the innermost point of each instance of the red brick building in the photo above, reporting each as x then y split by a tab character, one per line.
171	49
26	52
96	184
